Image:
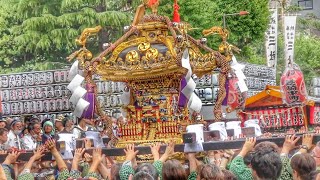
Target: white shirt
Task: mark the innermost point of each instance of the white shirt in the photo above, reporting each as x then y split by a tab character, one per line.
77	131
14	140
29	143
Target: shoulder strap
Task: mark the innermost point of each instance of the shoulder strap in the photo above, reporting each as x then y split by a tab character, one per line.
77	128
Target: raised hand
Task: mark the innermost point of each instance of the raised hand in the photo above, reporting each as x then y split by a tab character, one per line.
38	153
169	151
96	160
11	157
289	143
191	156
155	151
192	161
78	154
248	146
87	157
170	148
51	145
217	156
130	153
307	140
97	156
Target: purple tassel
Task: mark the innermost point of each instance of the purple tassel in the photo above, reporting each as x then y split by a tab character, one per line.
225	101
183	100
90	97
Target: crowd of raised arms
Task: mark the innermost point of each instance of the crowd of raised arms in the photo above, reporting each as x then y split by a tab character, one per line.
265	160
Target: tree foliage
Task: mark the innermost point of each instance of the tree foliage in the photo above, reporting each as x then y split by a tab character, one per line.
204	14
307	55
9	50
40	30
54	25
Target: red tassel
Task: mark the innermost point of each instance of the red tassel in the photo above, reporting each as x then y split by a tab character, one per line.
176	15
152	2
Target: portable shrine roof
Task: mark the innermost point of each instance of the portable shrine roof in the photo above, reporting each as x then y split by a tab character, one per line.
271	96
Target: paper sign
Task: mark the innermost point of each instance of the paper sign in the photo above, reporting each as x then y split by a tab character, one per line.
195	103
271	39
80	107
289	36
189	88
76	82
77	94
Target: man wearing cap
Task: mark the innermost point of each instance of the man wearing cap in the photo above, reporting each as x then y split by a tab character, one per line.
59	125
13	136
68	125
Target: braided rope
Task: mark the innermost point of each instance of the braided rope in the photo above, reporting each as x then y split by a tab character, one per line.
225	69
99	111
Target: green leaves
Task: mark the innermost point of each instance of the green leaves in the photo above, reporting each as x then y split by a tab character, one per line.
30	29
307	55
204	14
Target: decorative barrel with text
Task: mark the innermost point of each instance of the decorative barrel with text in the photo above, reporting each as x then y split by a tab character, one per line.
293	86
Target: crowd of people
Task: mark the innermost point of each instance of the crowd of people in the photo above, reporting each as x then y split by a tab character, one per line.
264	160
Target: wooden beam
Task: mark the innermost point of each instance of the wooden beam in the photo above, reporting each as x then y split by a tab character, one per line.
213	145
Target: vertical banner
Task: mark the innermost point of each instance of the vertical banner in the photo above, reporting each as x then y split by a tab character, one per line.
1	103
289	35
271	39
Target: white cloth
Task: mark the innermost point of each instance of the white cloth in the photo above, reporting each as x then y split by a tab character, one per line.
194	102
97	141
29	143
78	130
70	144
81	106
196	146
254	123
219	126
235	125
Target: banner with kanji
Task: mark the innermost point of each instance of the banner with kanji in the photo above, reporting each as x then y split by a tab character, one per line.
1	103
289	35
271	39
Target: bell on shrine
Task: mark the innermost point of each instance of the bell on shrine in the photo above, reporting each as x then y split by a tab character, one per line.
292	84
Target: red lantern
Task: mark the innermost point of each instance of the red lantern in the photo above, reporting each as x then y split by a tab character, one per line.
293	87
